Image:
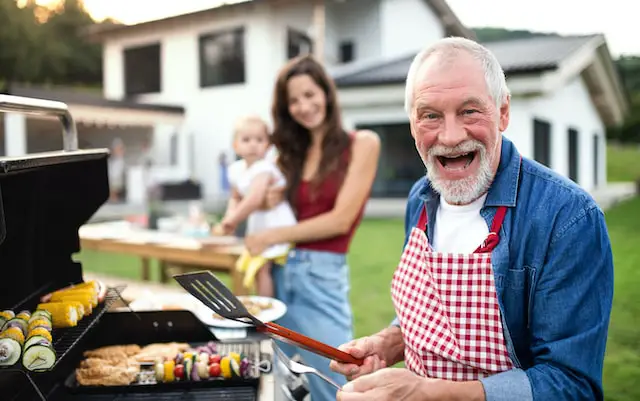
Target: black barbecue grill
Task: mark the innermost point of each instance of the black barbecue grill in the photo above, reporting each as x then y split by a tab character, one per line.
44	200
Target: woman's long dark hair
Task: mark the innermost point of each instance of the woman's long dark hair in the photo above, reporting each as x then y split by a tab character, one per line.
293	140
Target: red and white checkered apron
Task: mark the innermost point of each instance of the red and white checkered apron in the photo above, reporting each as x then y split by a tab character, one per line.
448	309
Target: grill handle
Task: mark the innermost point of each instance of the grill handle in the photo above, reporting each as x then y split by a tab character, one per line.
27	105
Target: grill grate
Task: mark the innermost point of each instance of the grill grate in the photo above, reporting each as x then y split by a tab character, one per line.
146	381
65	339
217	394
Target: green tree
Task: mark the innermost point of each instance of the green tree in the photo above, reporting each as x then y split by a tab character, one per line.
20	56
76	60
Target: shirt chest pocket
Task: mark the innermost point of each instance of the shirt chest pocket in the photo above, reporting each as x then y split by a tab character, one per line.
514	287
511	278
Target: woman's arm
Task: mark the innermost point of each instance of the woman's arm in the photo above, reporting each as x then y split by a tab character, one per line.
249	203
353	194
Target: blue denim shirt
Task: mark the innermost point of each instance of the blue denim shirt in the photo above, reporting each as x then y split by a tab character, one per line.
553	271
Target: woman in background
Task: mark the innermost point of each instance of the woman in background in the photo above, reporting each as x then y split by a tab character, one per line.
329	174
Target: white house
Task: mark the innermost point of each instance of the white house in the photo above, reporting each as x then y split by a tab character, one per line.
198	72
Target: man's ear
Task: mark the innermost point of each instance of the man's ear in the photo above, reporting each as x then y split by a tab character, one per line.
412	125
503	121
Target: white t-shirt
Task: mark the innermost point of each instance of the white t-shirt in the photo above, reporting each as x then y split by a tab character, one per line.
240	178
459	229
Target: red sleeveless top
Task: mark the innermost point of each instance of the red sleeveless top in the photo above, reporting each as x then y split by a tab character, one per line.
322	200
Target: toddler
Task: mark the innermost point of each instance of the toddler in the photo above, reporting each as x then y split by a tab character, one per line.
250	178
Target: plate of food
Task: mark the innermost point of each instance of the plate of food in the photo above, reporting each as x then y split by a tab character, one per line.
264	308
148	301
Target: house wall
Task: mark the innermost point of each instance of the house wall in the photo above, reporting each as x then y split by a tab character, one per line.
377	27
407	26
567	107
358	21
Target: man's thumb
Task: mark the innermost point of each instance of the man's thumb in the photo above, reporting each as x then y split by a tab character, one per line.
361	384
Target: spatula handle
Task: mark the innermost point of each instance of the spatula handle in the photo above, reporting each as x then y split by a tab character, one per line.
311	345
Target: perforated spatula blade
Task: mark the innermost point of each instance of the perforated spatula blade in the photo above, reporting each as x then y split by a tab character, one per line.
212	292
216	296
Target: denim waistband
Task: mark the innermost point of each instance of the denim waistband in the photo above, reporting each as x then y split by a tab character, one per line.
308	255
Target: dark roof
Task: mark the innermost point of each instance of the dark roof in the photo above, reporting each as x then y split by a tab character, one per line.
74	96
517	56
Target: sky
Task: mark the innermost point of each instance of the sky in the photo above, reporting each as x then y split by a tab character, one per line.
614	18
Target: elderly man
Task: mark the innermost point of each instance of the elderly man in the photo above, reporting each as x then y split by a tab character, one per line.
504	289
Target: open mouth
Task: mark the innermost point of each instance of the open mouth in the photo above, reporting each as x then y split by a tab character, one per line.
457	162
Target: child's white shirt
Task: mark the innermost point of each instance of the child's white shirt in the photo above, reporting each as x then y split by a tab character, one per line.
240	177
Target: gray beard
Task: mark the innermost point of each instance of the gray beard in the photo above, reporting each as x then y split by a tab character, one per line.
466	190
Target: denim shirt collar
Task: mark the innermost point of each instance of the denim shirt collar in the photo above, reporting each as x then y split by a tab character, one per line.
502	192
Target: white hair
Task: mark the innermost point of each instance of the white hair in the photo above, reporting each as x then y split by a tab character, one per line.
493	73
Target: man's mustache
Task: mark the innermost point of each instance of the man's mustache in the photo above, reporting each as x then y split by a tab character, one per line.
461	148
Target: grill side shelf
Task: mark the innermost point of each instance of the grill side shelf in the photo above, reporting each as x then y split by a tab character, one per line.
64	340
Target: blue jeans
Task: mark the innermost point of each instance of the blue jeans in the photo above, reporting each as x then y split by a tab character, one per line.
315	287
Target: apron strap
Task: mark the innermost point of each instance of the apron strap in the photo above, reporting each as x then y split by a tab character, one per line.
493	238
422	221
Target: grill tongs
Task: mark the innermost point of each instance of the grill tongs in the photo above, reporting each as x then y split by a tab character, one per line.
216	296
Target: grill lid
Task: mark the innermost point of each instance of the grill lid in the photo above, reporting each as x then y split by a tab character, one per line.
44	199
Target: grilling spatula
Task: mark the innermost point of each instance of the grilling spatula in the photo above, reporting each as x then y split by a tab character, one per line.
216	296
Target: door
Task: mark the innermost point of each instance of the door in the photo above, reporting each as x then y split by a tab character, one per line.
400	165
596	160
573	154
542	142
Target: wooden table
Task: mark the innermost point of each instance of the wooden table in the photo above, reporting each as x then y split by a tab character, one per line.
220	258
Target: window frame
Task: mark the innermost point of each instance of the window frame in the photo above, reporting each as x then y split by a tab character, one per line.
225	77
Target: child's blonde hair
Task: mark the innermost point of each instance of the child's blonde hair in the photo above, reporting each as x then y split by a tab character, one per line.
243	121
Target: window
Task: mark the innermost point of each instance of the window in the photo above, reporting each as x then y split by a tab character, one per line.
542	142
298	44
142	70
573	154
400	165
347	51
222	60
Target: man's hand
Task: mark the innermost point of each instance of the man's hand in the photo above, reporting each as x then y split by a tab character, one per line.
368	348
380	350
391	384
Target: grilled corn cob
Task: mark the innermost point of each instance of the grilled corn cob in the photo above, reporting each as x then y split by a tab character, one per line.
83	293
80	309
83	298
63	314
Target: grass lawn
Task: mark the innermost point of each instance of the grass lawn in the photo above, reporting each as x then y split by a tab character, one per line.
622	363
622	163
